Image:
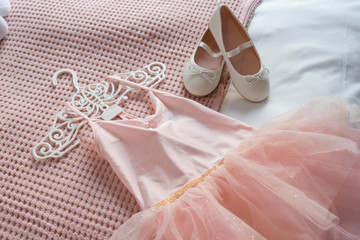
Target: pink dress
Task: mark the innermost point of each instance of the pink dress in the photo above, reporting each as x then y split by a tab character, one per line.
198	174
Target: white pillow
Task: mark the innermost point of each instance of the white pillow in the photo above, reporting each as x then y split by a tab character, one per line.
312	48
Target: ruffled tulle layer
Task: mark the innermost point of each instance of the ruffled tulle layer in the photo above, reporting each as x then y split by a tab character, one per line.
298	177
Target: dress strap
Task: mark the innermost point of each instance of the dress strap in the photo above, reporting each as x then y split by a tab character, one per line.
78	112
135	85
129	83
145	78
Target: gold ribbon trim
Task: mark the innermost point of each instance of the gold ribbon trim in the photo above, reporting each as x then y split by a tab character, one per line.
191	184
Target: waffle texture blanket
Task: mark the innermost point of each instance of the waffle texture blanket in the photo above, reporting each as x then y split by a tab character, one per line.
78	196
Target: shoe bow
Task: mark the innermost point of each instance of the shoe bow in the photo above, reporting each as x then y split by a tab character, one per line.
210	76
262	75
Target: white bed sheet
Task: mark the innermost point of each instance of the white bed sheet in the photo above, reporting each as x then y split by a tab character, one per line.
312	48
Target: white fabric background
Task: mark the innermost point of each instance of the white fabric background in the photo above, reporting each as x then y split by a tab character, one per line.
312	48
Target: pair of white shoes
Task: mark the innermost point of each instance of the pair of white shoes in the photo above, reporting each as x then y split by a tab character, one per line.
226	41
4	10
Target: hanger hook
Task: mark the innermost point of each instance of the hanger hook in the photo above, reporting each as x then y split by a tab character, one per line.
66	70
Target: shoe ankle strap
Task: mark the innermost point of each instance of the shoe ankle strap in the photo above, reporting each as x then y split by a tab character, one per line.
208	50
238	49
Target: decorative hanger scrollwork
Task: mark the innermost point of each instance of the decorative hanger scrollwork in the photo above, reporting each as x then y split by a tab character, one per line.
97	100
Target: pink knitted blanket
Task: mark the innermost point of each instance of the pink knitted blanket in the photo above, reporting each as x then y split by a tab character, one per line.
79	196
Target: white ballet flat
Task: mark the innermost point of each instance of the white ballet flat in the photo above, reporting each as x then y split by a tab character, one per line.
3	28
247	72
202	72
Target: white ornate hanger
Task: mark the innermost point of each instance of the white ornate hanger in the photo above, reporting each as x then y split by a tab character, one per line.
97	100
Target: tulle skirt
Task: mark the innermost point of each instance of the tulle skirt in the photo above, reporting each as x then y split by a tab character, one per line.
297	177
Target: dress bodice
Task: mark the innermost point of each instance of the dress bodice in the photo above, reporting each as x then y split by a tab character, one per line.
156	155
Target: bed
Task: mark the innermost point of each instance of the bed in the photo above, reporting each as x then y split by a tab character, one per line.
311	48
